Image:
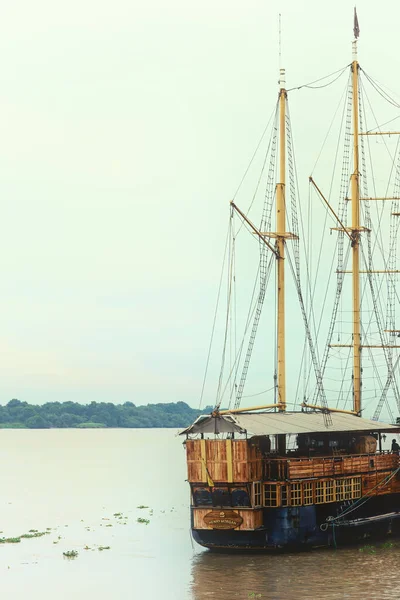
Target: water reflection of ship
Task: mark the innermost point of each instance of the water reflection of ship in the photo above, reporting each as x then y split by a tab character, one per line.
228	576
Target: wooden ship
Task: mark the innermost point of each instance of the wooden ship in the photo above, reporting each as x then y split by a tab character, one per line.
269	478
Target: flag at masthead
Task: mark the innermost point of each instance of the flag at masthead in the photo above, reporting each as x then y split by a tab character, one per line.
356	26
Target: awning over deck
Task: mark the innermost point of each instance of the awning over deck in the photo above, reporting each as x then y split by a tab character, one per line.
271	423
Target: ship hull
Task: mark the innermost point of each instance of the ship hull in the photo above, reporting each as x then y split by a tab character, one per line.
307	527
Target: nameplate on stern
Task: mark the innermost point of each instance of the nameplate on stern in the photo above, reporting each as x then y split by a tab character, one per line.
223	519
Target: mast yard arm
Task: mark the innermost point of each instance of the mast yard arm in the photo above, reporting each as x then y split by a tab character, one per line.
311	180
254	228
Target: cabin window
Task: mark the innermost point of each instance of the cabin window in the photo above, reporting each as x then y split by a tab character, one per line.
296	494
329	491
257	493
285	495
356	487
221	497
319	492
270	495
347	489
240	498
339	489
202	497
308	492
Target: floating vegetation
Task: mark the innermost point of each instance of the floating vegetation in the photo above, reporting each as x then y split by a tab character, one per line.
144	521
104	548
33	533
118	514
87	547
70	554
109	525
369	549
142	506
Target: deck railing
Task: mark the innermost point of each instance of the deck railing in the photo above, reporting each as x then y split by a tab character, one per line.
280	469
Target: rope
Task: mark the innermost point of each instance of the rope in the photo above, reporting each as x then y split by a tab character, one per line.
358	503
310	85
215	316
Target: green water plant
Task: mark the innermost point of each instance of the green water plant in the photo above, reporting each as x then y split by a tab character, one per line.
37	534
101	548
368	549
70	554
144	521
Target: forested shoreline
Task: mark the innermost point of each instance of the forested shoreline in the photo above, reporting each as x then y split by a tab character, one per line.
21	415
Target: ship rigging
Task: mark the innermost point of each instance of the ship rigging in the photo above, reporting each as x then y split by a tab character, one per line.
270	477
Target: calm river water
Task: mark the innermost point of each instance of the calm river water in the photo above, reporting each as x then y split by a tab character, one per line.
84	488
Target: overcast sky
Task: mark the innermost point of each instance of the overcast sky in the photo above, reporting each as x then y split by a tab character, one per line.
125	129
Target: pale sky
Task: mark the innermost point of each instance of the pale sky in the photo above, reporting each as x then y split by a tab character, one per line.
125	129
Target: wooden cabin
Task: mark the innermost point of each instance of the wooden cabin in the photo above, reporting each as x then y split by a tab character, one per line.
239	475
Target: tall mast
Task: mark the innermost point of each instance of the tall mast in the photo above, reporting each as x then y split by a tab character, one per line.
355	226
280	243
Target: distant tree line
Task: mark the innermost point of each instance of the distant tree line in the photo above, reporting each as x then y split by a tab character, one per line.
17	414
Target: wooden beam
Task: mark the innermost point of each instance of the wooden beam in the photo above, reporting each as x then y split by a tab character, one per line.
234	411
343	228
369	271
338	410
380	133
380	198
254	228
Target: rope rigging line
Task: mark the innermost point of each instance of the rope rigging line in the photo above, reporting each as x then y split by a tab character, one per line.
271	151
264	269
265	272
254	155
342	213
310	85
368	262
382	124
259	393
316	278
331	124
250	315
390	265
391	294
215	315
327	416
293	188
228	302
358	503
380	90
